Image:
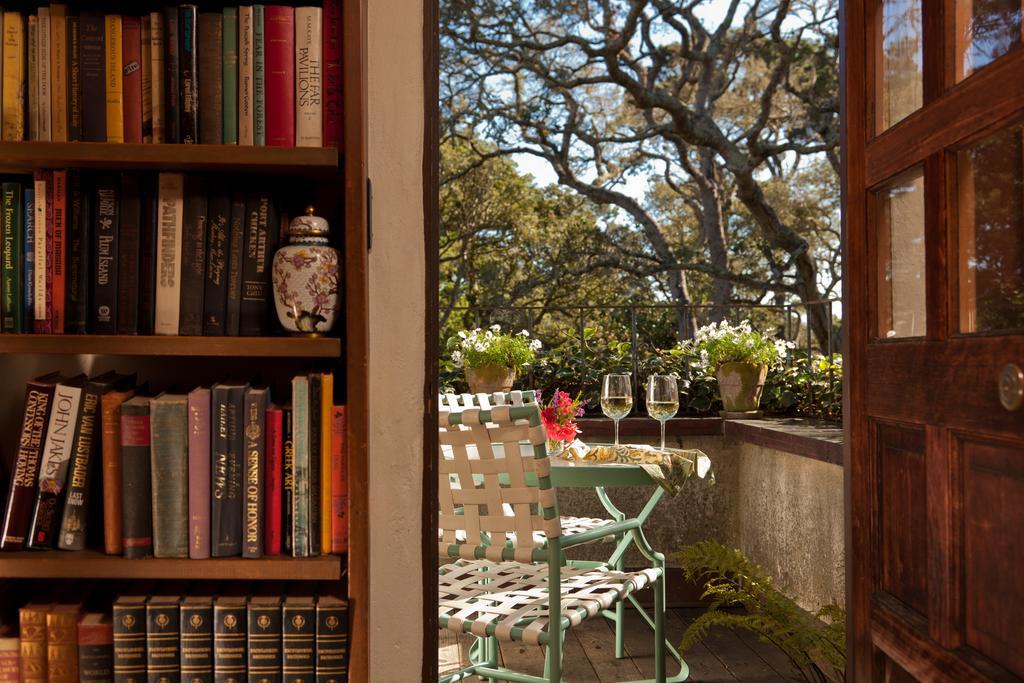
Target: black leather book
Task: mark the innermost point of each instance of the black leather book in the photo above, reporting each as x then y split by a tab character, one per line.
163	649
95	648
74	37
209	46
136	481
193	256
130	639
255	433
215	297
331	639
197	639
288	478
264	639
236	247
188	75
94	94
129	226
79	273
103	317
172	84
298	616
227	464
315	420
147	255
229	639
260	244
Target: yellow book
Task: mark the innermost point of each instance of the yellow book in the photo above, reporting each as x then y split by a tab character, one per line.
13	114
326	409
113	68
59	73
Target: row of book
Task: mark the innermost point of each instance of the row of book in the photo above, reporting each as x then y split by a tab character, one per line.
218	472
247	75
174	638
136	253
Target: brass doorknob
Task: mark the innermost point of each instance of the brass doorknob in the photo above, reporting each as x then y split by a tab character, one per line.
1011	386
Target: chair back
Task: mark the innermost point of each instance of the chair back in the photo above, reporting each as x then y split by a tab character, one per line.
489	506
457	402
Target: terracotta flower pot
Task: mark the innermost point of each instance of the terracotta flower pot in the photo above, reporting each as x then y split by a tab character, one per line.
490	378
740	385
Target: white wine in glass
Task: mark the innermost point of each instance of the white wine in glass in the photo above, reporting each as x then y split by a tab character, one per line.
662	400
616	399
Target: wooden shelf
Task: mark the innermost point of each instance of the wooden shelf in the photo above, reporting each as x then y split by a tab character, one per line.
90	564
121	345
22	157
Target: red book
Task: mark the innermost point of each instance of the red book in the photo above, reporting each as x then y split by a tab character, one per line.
199	473
331	56
273	480
131	58
60	233
95	648
44	283
279	55
10	660
339	480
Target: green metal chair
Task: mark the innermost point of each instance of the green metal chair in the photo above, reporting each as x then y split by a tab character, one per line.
500	525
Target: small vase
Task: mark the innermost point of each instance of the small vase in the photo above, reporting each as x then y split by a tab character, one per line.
305	275
488	379
740	385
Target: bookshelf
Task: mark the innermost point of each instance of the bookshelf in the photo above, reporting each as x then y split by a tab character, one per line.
119	345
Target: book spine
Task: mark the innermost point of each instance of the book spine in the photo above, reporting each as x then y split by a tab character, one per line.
42	181
332	81
147	254
197	640
298	618
260	245
169	253
58	73
83	450
13	107
157	74
300	467
264	641
129	641
146	80
199	473
273	474
104	315
169	420
11	257
43	38
215	300
326	460
309	125
35	418
236	248
114	76
95	653
32	620
172	76
245	75
110	422
79	244
128	237
287	480
189	74
229	78
279	29
331	640
193	257
62	646
259	77
28	281
254	434
59	262
226	523
10	659
163	647
45	324
131	78
339	480
136	494
32	86
210	39
229	636
93	59
315	440
74	78
53	467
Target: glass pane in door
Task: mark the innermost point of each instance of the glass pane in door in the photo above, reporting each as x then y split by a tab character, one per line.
990	232
899	83
985	30
899	258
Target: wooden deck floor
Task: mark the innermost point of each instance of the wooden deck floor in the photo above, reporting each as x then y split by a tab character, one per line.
724	656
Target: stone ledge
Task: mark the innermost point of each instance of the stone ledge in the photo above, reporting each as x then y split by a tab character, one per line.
815	439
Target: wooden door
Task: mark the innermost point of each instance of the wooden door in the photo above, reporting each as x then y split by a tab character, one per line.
933	112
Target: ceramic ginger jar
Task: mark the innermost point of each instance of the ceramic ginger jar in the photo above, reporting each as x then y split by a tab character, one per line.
306	274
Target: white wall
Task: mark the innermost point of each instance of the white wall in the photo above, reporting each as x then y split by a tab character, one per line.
395	121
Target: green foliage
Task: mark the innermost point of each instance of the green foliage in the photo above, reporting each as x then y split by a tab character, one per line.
720	343
814	643
481	348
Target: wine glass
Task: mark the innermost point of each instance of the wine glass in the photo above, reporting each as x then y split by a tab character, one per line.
616	399
662	400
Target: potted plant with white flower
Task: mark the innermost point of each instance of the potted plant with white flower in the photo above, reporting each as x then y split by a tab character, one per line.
491	358
740	357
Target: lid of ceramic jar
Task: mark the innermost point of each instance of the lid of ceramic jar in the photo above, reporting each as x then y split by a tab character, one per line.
309	224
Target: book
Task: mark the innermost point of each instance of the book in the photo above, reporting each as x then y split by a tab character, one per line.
157	75
227	403
10	656
245	75
199	469
43	64
35	418
300	466
287	480
131	78
326	459
229	75
28	263
62	643
129	617
105	254
58	72
93	59
332	81
95	648
273	482
113	70
169	253
110	424
229	639
256	400
264	641
136	478
309	126
12	200
43	250
163	649
84	454
193	256
298	616
210	48
197	639
259	77
315	440
339	480
215	295
12	112
32	86
129	229
146	78
236	248
147	253
32	632
279	32
74	78
59	259
79	244
172	76
188	67
169	458
53	464
260	244
331	639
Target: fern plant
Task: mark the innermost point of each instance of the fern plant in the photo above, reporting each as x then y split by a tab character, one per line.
814	643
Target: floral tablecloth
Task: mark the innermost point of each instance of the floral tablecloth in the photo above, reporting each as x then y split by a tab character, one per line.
671	468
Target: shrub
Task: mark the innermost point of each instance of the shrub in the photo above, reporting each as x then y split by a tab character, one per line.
480	348
718	343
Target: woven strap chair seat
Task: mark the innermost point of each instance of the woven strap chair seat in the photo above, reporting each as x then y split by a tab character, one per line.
512	597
